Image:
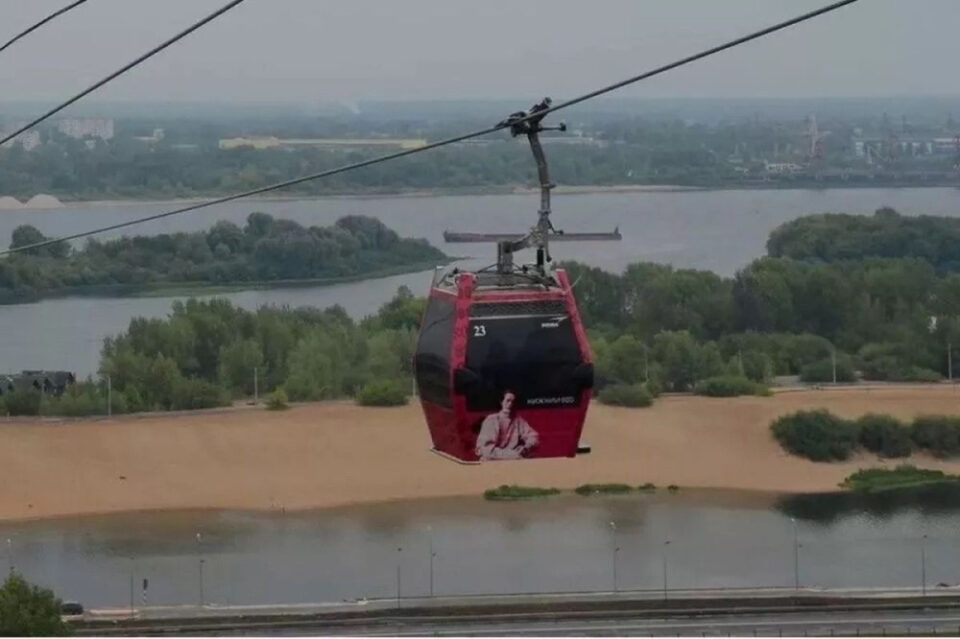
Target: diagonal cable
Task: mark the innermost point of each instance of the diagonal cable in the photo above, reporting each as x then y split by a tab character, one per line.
149	54
440	143
36	26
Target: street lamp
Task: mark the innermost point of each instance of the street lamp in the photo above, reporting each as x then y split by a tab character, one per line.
399	559
200	565
923	564
665	544
10	554
616	549
432	555
796	556
131	587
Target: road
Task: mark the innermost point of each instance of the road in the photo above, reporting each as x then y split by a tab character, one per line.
813	624
709	613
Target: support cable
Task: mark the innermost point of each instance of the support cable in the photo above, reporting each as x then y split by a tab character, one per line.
36	26
445	142
149	54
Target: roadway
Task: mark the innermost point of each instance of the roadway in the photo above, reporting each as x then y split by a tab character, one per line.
766	613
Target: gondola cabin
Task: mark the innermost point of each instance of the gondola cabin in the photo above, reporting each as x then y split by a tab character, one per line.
503	368
484	344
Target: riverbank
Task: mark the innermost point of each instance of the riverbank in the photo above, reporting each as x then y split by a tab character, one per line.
505	189
205	289
333	454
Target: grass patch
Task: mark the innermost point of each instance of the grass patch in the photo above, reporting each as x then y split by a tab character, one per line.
873	480
518	493
603	489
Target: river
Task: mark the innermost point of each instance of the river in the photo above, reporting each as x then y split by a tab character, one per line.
719	231
691	539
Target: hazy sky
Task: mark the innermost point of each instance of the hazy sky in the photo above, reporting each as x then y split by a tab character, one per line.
343	50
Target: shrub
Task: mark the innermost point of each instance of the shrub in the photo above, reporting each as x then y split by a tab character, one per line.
904	476
822	371
23	401
653	386
648	487
727	386
189	394
383	393
816	435
918	374
939	434
884	435
603	489
278	400
633	395
79	400
673	488
516	493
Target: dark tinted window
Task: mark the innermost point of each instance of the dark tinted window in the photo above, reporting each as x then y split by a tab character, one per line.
432	360
534	356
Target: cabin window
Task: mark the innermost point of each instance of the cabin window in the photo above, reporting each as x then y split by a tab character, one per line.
432	361
535	356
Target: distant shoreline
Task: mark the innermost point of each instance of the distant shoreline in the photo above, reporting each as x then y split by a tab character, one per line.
206	289
505	190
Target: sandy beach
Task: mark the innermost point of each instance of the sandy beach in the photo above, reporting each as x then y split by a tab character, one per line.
332	454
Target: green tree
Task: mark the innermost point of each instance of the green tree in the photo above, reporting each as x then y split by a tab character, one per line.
237	361
27	610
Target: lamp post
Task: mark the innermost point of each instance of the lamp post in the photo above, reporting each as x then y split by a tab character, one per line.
613	557
923	564
131	587
665	544
432	555
200	565
10	554
399	560
796	556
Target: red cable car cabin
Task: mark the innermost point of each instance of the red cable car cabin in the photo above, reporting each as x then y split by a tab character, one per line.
480	340
503	366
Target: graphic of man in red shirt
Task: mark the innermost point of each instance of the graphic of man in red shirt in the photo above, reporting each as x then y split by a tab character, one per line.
505	435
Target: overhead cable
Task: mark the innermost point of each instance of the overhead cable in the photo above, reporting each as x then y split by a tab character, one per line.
149	54
36	26
439	143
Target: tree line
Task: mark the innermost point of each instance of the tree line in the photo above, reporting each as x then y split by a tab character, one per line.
209	353
891	315
665	329
264	249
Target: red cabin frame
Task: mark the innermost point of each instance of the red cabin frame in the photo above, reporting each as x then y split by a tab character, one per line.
453	428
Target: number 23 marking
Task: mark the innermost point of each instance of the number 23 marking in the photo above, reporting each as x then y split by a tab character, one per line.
479	330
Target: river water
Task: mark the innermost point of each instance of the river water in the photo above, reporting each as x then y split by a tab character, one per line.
719	231
694	539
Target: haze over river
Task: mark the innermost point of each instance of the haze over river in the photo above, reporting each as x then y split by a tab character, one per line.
719	231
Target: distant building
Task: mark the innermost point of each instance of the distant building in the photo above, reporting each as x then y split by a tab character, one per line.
29	140
48	382
781	167
86	128
270	142
151	139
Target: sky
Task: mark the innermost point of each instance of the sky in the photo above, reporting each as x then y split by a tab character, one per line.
351	50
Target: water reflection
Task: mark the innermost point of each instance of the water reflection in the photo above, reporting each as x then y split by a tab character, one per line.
694	539
829	507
